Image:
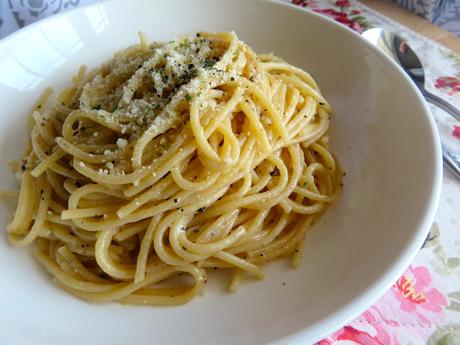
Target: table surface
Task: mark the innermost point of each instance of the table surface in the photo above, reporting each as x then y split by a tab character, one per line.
423	306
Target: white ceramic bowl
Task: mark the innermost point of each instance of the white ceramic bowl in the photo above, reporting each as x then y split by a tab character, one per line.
381	131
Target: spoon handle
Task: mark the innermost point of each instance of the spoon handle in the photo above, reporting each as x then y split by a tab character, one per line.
439	102
451	160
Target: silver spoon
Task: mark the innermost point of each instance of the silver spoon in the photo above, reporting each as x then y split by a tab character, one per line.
400	51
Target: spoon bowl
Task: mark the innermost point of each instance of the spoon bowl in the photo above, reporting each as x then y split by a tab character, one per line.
398	49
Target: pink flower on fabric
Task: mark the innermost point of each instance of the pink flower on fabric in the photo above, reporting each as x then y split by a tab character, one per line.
345	14
451	85
368	329
306	3
342	3
456	132
341	17
413	303
416	295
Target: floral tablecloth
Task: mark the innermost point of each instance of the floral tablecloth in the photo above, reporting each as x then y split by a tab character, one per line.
423	306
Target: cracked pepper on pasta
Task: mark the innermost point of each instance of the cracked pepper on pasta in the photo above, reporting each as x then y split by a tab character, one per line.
171	159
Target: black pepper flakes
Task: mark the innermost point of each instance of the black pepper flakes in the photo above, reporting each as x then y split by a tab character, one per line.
175	200
201	209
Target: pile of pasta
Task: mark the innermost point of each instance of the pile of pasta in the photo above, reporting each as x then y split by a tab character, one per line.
171	159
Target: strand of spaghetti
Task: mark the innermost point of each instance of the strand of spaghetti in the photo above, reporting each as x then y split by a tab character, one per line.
131	230
64	171
235	282
306	89
104	261
43	196
43	128
209	248
224	222
56	185
240	263
45	164
183	183
175	231
201	134
278	123
151	195
144	250
70	281
39	105
89	212
263	241
82	155
257	127
298	252
24	211
306	77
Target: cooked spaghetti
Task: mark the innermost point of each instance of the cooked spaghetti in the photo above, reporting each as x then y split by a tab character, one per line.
169	160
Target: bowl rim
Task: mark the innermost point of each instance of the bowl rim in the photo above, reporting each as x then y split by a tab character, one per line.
382	284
